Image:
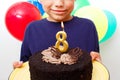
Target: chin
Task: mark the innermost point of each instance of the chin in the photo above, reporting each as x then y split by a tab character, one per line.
59	18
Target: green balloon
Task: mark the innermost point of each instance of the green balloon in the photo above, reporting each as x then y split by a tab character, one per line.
79	4
112	23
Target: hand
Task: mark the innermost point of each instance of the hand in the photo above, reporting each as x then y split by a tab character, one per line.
17	64
95	56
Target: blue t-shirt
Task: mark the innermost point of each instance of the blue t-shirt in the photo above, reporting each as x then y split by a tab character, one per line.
41	34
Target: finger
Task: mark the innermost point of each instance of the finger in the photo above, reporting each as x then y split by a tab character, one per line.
93	56
99	60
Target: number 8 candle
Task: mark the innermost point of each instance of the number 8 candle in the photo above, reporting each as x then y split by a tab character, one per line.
61	42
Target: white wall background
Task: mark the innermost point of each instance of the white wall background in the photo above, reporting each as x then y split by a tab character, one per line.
110	52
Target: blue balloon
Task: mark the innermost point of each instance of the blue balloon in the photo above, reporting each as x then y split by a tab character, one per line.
112	23
38	5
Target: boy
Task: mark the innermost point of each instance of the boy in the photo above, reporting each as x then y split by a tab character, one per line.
41	34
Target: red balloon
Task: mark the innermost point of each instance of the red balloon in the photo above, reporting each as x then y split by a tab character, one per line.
18	16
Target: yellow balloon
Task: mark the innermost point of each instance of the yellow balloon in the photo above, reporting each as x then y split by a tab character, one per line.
45	15
97	16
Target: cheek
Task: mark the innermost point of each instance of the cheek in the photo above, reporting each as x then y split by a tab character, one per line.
70	6
45	5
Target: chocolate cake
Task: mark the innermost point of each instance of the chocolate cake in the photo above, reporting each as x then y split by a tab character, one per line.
50	64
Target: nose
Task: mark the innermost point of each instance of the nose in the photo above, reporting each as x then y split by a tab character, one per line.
59	3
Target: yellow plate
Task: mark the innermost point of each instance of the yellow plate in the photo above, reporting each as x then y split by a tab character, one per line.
100	72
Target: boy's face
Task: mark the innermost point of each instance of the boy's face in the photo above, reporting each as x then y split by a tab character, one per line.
58	10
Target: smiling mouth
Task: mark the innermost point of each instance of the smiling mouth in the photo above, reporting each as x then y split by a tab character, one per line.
59	11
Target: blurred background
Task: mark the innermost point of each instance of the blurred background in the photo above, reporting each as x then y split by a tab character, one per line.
16	14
